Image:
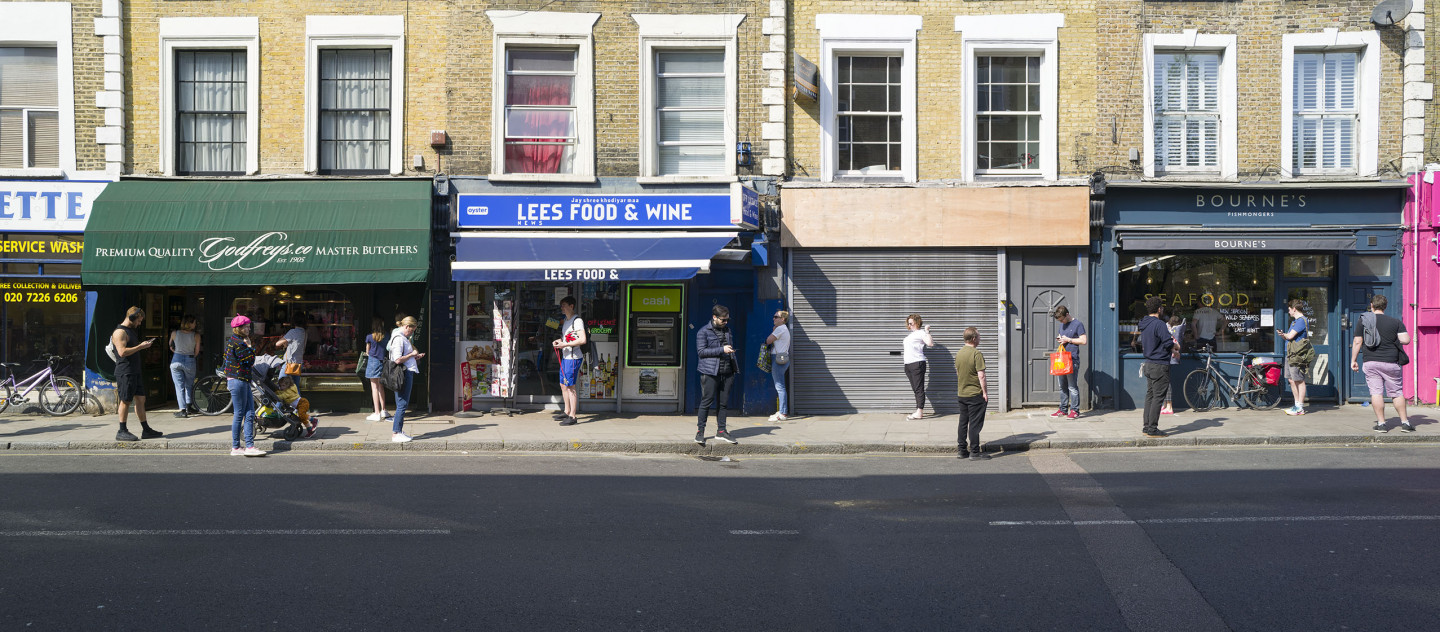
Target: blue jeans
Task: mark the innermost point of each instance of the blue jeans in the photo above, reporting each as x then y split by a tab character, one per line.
244	405
182	371
402	399
777	372
1070	389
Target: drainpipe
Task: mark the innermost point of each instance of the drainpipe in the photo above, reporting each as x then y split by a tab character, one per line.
1415	284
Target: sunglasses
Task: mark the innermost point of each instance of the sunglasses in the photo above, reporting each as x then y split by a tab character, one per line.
723	320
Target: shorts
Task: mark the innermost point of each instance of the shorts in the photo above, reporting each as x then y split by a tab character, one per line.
569	371
1296	373
129	386
1383	378
373	366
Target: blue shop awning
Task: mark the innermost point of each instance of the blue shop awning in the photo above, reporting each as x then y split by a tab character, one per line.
589	256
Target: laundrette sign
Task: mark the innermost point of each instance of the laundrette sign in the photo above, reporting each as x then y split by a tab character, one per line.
50	207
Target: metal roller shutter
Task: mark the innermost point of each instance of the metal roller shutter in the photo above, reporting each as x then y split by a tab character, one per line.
849	310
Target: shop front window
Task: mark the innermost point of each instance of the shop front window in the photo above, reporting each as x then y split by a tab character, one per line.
331	340
1309	266
1224	302
42	305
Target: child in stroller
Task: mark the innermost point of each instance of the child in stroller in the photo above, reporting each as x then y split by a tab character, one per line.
288	393
274	411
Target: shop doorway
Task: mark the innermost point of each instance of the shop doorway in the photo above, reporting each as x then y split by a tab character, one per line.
1357	302
1323	377
537	326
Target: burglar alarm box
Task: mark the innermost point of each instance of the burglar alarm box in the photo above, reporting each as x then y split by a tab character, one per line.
654	316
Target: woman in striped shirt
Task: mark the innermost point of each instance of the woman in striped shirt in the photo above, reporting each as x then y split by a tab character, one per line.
239	363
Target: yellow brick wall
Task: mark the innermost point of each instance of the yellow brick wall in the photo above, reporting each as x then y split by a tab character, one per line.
1432	74
1259	25
940	72
617	98
282	74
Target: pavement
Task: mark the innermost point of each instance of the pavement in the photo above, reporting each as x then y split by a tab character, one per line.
1018	430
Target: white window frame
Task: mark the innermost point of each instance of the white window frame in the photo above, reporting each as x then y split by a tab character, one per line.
1367	86
847	35
46	25
1012	34
177	34
355	31
545	29
1192	41
662	32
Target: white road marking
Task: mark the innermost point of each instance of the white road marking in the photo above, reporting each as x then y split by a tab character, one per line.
1233	519
764	532
124	532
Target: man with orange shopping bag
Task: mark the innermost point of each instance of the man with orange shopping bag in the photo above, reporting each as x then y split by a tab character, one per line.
1070	337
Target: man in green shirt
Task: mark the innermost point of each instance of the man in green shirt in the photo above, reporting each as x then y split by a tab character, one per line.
970	369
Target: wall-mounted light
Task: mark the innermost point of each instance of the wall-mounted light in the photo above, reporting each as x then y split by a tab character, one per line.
743	155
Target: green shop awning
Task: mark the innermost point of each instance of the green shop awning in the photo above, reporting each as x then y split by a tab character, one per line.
247	232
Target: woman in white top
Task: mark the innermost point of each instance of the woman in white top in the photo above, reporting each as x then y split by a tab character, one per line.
402	352
185	345
915	344
779	342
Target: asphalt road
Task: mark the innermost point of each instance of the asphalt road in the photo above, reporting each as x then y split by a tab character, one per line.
1150	539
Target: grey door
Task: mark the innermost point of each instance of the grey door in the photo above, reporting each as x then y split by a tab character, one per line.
848	313
1357	302
1039	334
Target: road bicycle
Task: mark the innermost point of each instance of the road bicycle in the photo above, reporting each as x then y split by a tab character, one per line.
1204	388
212	393
59	395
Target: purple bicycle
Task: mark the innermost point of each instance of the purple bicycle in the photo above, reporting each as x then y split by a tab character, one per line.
59	395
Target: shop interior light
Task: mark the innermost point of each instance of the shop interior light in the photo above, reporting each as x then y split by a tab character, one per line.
269	289
298	297
284	293
281	301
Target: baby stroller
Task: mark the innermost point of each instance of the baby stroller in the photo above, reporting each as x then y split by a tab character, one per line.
271	412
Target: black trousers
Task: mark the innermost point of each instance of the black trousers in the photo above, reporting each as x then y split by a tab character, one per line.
916	372
714	390
1157	390
972	419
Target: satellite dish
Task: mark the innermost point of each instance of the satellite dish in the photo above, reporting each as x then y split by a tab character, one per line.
1390	12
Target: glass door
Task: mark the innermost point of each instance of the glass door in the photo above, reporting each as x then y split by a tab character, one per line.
1323	376
537	325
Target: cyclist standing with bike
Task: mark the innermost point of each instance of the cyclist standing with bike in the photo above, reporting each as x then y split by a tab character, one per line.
129	382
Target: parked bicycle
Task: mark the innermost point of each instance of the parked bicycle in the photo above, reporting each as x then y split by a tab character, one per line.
59	395
1258	386
212	393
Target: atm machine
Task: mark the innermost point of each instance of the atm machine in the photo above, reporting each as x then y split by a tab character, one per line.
654	347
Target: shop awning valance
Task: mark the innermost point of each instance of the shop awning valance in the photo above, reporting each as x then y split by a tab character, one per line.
246	232
1237	241
591	256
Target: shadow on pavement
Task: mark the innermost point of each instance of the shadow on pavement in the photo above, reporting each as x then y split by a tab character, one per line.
1196	425
454	430
170	434
752	431
38	430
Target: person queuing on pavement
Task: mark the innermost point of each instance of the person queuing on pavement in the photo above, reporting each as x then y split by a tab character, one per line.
1295	374
1382	360
374	363
715	346
403	352
239	370
1158	347
1176	326
914	344
974	397
1072	336
184	347
293	342
570	344
779	341
129	378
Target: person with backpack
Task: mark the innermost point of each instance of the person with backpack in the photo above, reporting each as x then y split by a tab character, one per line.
1382	337
569	346
1299	354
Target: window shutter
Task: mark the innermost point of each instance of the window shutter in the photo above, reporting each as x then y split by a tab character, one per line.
28	77
1307	82
12	150
45	140
1209	68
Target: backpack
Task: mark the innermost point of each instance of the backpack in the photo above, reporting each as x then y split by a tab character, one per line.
1301	353
1371	333
110	348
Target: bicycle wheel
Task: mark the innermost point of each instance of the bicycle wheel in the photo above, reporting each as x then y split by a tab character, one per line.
61	398
1261	396
1201	391
212	395
4	396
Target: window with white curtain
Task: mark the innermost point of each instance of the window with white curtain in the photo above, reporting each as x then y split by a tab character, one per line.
29	108
355	110
1326	111
210	98
1187	111
540	114
690	112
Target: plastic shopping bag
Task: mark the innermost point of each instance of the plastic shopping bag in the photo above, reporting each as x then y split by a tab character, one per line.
1061	363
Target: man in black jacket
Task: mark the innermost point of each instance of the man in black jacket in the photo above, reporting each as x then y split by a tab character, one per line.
714	345
1158	347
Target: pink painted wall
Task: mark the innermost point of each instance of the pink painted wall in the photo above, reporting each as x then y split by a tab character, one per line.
1421	294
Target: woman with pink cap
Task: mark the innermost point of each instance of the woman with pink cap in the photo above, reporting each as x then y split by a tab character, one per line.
239	362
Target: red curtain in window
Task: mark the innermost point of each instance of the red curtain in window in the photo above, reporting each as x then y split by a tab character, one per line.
546	126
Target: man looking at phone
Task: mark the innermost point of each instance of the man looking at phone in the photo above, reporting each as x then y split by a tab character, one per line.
129	383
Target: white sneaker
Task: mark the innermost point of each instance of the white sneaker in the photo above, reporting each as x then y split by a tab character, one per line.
401	437
253	451
237	451
374	417
777	417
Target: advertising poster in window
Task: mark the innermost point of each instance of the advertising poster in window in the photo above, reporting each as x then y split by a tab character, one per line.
477	369
502	311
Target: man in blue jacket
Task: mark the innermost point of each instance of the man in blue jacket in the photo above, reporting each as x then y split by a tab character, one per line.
714	345
1158	347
